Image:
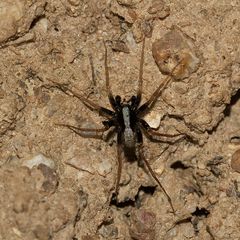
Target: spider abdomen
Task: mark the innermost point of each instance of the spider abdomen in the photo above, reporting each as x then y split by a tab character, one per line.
128	133
129	138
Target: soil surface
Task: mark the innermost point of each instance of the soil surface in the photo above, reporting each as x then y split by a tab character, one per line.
56	184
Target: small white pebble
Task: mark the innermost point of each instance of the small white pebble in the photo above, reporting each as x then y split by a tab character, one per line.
153	119
159	170
201	165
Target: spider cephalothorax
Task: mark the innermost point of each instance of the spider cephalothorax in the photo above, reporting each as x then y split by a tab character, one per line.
126	119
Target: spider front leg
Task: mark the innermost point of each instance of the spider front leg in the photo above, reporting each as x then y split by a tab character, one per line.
88	132
140	79
141	155
152	100
108	87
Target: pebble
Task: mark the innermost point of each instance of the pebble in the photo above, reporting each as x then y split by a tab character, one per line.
156	6
158	9
235	162
74	2
173	47
143	225
201	165
159	170
120	46
128	3
153	119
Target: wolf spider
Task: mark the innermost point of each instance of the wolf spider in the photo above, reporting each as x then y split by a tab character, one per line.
126	118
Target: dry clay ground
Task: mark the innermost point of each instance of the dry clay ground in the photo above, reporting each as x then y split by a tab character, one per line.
57	185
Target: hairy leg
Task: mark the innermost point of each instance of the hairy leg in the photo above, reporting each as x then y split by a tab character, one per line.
119	170
152	100
86	132
140	79
90	104
155	177
108	87
92	70
141	155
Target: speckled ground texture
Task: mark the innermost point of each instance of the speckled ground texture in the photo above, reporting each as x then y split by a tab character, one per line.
55	184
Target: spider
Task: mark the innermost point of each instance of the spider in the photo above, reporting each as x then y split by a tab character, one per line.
126	118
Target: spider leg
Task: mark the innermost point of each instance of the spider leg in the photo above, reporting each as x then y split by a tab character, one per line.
157	136
90	104
83	132
152	100
140	79
141	154
119	170
108	87
92	70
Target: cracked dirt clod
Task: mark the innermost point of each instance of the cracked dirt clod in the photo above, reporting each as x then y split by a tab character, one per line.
10	113
29	217
16	17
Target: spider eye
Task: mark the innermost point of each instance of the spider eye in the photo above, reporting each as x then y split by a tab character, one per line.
118	99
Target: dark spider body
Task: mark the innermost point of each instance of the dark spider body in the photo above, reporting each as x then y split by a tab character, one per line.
126	119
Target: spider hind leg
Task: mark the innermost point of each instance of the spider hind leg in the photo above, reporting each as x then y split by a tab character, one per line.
149	168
